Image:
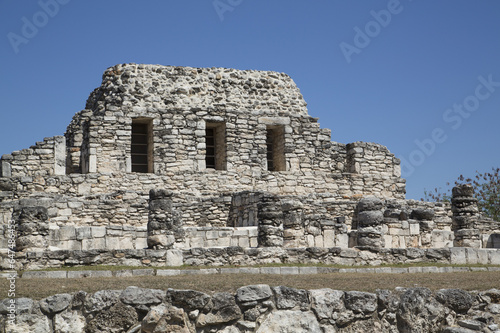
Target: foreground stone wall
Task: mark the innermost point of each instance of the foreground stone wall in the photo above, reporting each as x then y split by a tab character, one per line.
257	308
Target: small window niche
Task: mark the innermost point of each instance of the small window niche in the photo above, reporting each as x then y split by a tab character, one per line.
215	142
275	142
142	145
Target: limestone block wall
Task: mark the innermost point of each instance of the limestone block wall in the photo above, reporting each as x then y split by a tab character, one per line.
244	209
180	102
205	237
45	158
315	220
90	238
371	158
118	237
77	149
100	199
405	224
192	96
238	256
124	208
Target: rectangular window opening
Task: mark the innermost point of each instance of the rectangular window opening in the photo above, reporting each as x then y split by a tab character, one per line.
142	145
215	143
275	142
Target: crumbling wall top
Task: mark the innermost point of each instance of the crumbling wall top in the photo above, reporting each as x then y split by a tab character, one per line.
167	87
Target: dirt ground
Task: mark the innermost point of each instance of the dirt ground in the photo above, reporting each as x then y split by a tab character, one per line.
40	288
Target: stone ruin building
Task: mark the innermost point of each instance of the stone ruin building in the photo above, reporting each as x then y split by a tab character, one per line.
180	159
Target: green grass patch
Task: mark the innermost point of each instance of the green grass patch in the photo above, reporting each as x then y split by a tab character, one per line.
184	267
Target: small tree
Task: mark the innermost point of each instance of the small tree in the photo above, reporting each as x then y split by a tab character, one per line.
486	189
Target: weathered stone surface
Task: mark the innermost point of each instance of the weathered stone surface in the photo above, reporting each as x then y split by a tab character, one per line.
187	299
471	324
56	303
101	300
458	300
29	323
258	292
370	204
493	294
360	302
422	214
142	297
457	330
22	305
403	310
69	322
289	298
223	310
370	237
419	312
324	302
370	218
387	300
165	318
464	190
287	321
118	318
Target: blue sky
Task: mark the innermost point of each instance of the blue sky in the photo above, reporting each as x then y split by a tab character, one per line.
421	77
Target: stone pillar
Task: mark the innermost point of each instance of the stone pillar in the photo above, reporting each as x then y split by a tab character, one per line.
370	219
465	216
270	217
59	155
426	225
33	228
164	225
293	224
5	167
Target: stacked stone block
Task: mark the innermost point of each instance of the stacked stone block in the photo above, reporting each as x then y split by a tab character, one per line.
243	211
370	218
293	224
206	237
32	228
164	224
113	237
239	256
425	220
45	158
465	217
270	217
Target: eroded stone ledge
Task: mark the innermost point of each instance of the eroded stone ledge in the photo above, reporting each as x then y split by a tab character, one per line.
238	256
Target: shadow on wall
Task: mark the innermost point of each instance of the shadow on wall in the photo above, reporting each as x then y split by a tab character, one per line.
493	241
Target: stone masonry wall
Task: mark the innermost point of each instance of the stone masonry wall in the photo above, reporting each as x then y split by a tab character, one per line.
257	308
319	220
238	256
79	191
45	158
91	190
84	178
